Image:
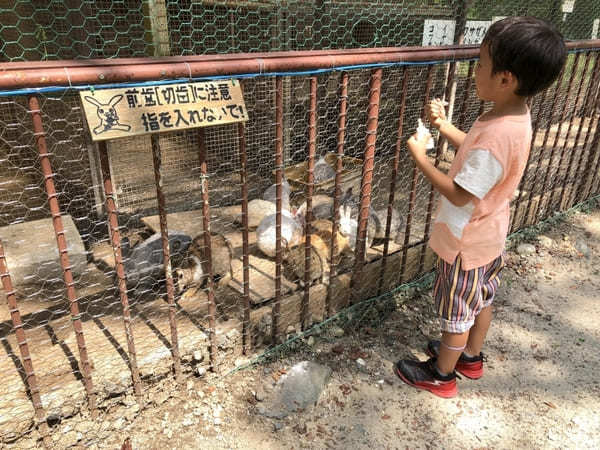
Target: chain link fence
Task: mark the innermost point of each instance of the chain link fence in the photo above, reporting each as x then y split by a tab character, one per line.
90	312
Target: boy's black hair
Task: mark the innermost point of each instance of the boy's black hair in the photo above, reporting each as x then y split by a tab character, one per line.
530	48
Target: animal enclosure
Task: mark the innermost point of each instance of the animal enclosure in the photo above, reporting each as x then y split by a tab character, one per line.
128	260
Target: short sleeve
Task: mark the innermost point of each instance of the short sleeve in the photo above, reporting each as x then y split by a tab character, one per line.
479	173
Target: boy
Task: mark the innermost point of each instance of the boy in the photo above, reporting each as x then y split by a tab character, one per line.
519	57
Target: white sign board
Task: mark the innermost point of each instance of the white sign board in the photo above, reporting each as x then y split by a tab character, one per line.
441	32
568	5
595	27
438	32
475	31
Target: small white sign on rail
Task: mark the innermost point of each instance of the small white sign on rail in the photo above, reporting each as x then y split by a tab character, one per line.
438	32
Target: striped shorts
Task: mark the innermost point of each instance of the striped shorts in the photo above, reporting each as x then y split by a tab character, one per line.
461	294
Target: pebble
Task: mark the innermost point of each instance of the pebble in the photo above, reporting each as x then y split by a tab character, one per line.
526	249
337	331
200	371
198	356
310	341
277	426
582	248
361	362
545	241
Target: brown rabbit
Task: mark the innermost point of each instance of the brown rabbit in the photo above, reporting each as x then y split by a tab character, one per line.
320	262
193	273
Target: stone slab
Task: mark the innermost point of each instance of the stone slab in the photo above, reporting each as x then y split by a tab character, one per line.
32	253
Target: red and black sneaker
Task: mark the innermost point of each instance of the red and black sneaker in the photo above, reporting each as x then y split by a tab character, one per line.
424	375
469	366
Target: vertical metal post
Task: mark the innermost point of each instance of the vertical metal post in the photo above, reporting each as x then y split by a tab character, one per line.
247	339
413	185
30	378
592	89
212	306
164	231
337	190
553	150
115	237
312	145
394	176
566	142
40	136
367	178
278	202
438	154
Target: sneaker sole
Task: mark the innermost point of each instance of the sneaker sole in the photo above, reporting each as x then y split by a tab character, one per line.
472	374
448	393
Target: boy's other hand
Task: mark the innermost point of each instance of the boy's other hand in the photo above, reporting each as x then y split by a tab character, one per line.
417	147
436	112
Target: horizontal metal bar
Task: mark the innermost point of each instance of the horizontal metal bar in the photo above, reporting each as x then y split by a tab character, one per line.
36	74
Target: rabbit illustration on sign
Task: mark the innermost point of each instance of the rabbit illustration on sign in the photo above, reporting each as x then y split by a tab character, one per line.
109	120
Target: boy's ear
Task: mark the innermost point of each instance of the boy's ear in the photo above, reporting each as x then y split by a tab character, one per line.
509	80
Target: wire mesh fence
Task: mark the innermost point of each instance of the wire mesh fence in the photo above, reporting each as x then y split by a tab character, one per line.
92	311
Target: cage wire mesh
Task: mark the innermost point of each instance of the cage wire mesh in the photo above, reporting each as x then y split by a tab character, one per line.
561	172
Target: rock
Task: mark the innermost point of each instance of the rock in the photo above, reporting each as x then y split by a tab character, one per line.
361	362
545	241
198	356
298	389
582	248
310	341
337	331
290	330
200	371
260	394
526	249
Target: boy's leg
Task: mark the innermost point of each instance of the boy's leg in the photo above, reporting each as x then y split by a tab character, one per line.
451	347
479	331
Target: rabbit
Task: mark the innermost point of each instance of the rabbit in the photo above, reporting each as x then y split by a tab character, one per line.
109	120
396	227
320	255
292	227
193	273
322	207
143	263
322	171
270	194
349	213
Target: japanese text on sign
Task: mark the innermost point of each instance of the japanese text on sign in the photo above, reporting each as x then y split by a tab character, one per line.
114	113
441	32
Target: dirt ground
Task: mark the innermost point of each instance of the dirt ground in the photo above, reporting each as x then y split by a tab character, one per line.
540	390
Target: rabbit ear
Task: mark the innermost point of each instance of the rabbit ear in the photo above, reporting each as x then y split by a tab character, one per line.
116	99
93	101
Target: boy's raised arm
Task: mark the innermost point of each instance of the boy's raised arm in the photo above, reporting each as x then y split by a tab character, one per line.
437	118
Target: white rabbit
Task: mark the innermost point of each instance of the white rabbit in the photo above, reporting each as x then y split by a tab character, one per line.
292	230
270	194
109	119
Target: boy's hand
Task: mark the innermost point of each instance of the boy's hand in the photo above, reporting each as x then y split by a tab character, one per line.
436	112
417	147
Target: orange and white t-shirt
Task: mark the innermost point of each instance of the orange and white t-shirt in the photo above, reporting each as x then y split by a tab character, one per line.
489	164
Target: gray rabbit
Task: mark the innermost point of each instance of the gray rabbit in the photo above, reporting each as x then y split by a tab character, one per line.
292	231
270	194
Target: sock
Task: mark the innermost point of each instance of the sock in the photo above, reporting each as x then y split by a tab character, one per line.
439	372
467	354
